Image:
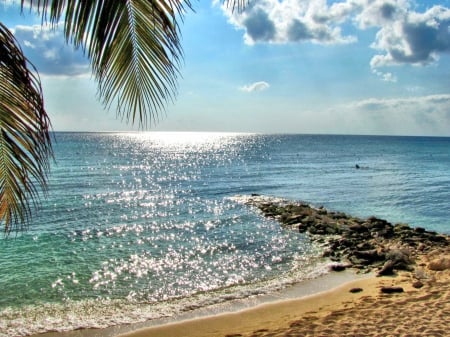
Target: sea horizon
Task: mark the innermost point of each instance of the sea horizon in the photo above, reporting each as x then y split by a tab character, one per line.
149	131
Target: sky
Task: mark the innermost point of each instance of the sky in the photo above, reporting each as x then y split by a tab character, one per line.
281	66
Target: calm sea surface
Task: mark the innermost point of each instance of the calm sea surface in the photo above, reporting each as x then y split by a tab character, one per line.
142	226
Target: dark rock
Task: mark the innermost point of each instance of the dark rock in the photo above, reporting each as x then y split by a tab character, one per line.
338	267
417	284
362	242
358	263
400	258
386	232
368	255
302	228
391	290
346	243
401	227
293	219
356	290
439	239
356	227
365	246
387	269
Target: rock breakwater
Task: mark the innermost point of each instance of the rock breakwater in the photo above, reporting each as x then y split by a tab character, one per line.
370	244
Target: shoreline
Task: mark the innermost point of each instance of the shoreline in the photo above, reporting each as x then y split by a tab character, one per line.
304	289
408	303
361	307
265	315
413	274
409	279
418	305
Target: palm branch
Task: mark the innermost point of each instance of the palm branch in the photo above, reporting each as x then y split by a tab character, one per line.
133	46
25	146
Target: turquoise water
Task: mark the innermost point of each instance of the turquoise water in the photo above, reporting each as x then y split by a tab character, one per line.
142	226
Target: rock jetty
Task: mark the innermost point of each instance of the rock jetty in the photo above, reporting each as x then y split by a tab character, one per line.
370	244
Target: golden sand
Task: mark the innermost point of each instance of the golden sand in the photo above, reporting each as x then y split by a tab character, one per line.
422	309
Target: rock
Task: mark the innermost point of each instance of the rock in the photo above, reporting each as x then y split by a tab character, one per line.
387	269
400	258
391	290
439	264
356	290
401	227
369	255
293	219
417	284
375	223
338	267
365	246
363	242
302	228
358	228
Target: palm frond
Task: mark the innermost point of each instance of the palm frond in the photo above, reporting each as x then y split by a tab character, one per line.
238	5
134	49
25	144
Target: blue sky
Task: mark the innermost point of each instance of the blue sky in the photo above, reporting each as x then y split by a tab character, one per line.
288	66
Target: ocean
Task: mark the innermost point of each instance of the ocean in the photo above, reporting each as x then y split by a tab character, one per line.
141	226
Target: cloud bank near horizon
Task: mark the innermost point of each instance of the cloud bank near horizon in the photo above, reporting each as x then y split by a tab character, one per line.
425	115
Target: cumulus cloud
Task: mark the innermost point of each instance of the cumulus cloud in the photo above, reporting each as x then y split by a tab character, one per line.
47	49
414	38
404	36
256	86
273	21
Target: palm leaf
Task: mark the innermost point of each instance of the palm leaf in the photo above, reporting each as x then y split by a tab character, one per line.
134	49
25	146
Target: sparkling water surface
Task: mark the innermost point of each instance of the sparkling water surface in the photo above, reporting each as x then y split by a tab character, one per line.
145	225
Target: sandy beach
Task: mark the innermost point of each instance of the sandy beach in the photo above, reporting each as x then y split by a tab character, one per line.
405	291
357	308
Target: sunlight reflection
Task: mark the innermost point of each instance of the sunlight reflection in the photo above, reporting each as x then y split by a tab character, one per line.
188	140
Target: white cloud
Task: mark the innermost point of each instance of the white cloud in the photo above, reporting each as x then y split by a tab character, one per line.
46	48
404	36
419	115
256	86
387	77
273	21
411	37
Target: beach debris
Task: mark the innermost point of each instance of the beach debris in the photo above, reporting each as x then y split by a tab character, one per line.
356	290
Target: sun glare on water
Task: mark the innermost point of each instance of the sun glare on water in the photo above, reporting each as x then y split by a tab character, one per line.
188	140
